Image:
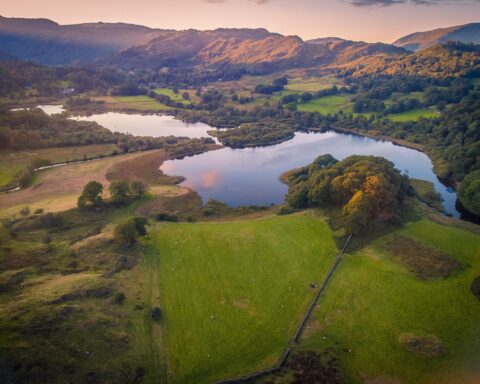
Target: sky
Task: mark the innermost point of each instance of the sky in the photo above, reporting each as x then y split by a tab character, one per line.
367	20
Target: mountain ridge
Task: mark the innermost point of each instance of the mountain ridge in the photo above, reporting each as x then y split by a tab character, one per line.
417	41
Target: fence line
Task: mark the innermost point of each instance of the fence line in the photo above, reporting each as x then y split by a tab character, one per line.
300	327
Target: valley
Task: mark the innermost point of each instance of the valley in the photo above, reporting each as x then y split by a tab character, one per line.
174	205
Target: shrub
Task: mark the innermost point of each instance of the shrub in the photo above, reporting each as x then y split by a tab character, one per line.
47	239
38	211
125	233
138	189
166	217
25	178
25	211
119	298
156	314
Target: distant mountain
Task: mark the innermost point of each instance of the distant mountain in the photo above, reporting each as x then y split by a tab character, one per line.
254	48
325	40
335	51
235	47
468	33
452	59
46	42
7	57
132	46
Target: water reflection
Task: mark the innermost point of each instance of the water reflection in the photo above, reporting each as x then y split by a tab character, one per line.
147	125
250	176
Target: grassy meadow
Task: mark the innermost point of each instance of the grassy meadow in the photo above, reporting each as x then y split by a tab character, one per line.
232	293
327	105
373	300
414	115
174	96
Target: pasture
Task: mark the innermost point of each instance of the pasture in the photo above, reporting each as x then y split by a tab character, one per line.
232	293
132	103
311	84
414	115
327	104
374	303
174	96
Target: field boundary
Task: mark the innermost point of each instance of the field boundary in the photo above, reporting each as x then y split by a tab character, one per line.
299	329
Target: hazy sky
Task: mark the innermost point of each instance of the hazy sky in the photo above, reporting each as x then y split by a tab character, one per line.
369	20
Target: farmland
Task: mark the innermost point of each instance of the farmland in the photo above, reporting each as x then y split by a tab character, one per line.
373	300
228	286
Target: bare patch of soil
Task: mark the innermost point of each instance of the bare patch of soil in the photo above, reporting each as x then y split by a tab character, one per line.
312	327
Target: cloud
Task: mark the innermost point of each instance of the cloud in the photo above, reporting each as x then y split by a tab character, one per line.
386	3
259	2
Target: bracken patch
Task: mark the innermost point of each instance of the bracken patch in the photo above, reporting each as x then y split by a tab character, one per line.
427	345
425	262
475	287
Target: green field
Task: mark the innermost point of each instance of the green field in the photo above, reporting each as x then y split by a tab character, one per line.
311	84
373	299
326	105
174	96
252	276
140	103
414	114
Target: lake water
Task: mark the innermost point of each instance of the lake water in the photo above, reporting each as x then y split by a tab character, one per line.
48	109
147	125
250	176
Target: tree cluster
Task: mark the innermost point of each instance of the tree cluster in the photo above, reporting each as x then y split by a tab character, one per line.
366	189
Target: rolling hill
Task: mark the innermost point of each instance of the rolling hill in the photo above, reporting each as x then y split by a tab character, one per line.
468	33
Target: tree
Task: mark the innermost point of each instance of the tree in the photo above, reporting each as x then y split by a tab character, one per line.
469	192
91	195
140	224
25	178
138	189
119	192
125	233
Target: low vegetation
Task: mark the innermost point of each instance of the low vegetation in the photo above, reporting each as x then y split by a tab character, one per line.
254	134
425	262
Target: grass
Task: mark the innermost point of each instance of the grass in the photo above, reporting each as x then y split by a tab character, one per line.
58	188
252	276
414	114
174	96
12	162
311	84
326	105
137	103
426	192
372	300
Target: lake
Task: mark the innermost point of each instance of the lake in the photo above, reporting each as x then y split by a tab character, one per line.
147	125
250	176
48	109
